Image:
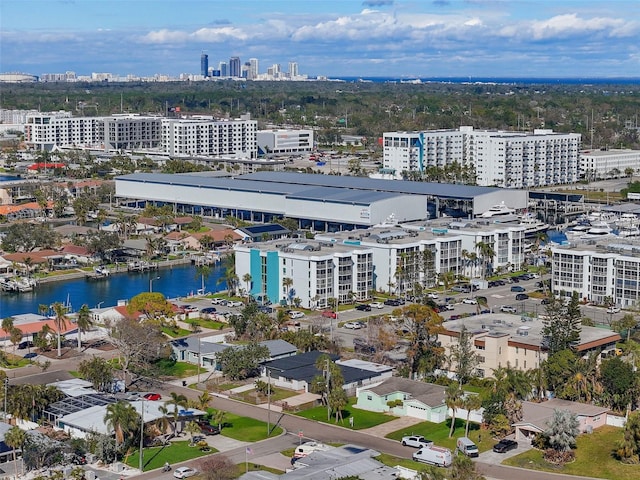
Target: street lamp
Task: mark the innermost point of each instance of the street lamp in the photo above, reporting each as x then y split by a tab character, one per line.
141	431
151	283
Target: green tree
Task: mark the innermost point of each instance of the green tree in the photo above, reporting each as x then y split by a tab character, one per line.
470	402
60	320
15	439
626	324
453	400
7	325
464	357
98	371
424	353
192	428
562	325
330	385
619	383
15	337
177	400
153	305
563	430
122	418
239	363
84	322
628	449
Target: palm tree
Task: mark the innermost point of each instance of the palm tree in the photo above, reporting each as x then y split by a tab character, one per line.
163	422
59	310
487	253
84	322
469	403
122	418
287	283
15	439
7	325
246	278
453	400
203	400
447	278
192	428
177	400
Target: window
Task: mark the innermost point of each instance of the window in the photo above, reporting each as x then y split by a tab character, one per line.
369	397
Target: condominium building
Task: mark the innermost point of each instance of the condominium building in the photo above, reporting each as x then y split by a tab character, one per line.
598	271
285	141
504	159
209	137
599	164
318	271
202	136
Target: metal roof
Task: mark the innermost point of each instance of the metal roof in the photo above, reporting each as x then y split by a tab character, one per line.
444	190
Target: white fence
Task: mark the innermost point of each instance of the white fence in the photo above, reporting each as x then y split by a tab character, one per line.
616	421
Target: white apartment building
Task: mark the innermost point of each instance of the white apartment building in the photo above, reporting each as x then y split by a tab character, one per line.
280	141
600	164
504	159
209	137
181	137
319	271
597	271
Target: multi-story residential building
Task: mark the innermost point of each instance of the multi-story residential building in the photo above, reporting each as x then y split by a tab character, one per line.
235	67
253	71
599	164
285	141
502	340
599	272
319	272
504	159
209	137
203	136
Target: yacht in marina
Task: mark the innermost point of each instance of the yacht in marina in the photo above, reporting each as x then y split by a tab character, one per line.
498	210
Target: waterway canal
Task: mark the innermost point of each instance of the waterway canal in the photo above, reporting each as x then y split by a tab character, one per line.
176	281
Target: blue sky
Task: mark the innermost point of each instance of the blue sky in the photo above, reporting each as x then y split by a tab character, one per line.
494	38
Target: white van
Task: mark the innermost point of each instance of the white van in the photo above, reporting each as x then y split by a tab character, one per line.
467	447
439	456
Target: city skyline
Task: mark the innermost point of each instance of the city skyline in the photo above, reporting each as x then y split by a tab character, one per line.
401	38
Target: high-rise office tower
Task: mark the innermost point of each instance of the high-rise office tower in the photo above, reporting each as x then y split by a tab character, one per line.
293	69
235	67
204	65
253	69
222	66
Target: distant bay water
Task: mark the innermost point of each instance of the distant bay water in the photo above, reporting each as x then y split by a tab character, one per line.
500	80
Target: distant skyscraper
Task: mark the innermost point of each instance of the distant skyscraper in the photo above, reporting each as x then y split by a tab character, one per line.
204	65
222	66
235	67
293	69
253	69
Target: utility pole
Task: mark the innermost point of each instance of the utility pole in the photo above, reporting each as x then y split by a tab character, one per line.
328	390
6	388
141	432
268	401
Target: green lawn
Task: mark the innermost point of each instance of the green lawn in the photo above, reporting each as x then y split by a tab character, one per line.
244	428
276	394
361	418
205	323
169	368
439	434
593	458
157	456
176	332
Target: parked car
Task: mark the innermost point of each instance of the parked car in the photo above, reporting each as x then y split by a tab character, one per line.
26	344
504	445
184	472
363	307
392	302
296	314
266	309
362	324
545	301
234	303
432	295
329	314
352	325
434	456
508	309
522	296
208	429
461	288
208	310
218	301
153	396
377	305
416	441
613	309
470	301
446	306
517	288
465	446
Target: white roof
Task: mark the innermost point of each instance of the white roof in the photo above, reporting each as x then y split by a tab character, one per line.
74	387
364	365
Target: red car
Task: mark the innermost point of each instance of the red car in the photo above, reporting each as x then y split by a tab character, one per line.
153	396
329	314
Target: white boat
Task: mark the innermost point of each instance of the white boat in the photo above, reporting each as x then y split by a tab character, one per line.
532	224
629	231
598	230
102	271
599	216
496	210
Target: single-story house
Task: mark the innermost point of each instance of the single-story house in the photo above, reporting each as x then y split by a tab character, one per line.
537	416
422	400
298	371
78	253
5	451
190	349
30	324
74	387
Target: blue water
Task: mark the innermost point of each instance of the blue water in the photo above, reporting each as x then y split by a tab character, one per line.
174	282
7	178
504	80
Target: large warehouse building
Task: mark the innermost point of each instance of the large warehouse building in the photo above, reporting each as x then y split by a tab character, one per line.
320	202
